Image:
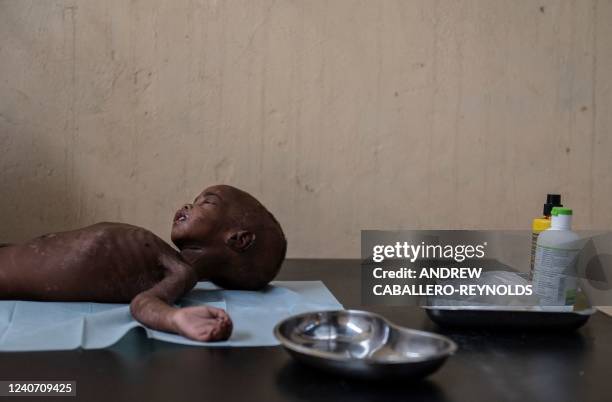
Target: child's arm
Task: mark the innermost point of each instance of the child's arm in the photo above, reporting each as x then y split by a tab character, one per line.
153	307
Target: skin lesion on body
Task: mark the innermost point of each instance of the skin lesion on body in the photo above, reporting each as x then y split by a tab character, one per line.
225	236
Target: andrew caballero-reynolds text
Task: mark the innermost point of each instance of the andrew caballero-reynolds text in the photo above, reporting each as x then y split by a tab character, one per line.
435	254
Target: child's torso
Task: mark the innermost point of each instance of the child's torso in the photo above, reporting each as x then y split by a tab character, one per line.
104	262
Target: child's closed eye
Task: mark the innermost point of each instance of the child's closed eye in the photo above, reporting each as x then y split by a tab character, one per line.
205	201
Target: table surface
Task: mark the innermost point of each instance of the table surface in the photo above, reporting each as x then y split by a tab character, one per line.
489	365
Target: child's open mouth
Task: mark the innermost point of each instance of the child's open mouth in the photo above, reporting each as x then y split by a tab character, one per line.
180	216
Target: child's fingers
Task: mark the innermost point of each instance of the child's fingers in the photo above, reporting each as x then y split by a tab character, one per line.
217	312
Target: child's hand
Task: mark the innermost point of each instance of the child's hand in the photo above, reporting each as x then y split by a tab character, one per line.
203	323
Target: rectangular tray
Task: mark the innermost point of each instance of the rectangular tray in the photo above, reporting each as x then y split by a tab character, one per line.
491	318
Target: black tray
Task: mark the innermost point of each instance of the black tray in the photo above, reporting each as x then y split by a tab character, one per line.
514	319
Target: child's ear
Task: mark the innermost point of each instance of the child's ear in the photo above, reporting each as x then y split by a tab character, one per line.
240	241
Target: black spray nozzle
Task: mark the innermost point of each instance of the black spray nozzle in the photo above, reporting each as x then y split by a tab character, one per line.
552	200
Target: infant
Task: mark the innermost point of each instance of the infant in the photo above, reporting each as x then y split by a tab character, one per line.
225	236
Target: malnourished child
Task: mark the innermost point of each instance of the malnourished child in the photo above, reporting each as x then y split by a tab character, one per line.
226	236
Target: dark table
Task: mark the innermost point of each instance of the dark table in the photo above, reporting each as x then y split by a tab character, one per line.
489	366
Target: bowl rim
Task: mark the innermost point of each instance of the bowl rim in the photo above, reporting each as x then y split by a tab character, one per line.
450	349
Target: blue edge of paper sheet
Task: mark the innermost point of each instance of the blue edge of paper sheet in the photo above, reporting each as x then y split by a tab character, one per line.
36	326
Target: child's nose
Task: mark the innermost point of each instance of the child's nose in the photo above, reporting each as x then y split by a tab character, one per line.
187	207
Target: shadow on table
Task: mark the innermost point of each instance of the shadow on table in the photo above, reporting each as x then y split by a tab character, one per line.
298	382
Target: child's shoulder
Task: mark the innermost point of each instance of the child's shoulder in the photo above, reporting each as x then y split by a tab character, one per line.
117	228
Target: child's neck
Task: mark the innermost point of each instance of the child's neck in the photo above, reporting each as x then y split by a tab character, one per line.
203	260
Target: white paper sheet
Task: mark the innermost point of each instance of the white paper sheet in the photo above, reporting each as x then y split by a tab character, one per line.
31	326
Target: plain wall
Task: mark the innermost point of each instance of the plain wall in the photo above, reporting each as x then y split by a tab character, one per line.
339	115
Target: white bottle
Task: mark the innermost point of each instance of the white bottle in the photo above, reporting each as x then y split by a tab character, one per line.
554	277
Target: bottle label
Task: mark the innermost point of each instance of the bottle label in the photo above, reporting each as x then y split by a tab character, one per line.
534	243
554	277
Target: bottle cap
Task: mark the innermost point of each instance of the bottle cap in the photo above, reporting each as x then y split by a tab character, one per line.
556	211
552	200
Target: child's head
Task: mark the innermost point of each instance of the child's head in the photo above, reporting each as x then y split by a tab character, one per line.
230	238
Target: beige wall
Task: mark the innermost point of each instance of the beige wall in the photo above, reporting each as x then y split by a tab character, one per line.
340	115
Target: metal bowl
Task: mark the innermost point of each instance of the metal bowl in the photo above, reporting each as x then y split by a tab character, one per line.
362	344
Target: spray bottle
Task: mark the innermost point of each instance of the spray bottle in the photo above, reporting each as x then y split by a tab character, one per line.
554	274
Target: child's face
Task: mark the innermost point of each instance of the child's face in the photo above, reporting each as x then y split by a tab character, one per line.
212	216
203	221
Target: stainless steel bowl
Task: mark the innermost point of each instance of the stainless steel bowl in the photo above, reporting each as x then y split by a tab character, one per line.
362	344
